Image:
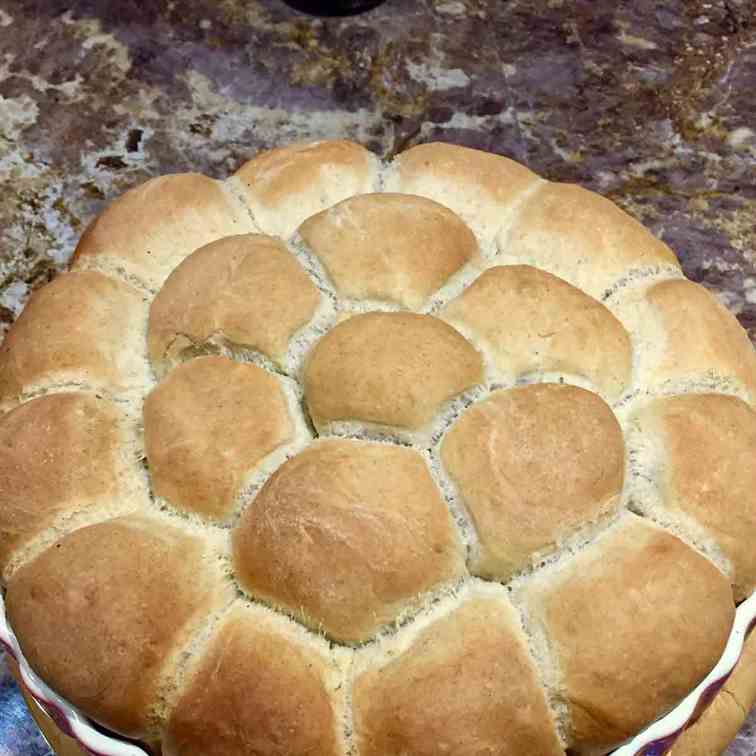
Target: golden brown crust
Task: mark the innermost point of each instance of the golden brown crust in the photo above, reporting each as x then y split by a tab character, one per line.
392	247
720	723
581	237
256	689
700	336
480	187
531	465
709	471
352	536
101	613
207	426
247	289
336	541
286	185
636	622
81	328
60	454
150	229
465	686
389	368
531	321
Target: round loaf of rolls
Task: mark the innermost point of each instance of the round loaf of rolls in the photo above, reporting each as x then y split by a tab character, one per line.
343	457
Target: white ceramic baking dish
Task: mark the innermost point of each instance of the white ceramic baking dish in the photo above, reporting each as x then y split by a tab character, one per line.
655	740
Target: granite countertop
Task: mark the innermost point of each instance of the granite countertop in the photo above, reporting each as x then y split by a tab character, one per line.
649	102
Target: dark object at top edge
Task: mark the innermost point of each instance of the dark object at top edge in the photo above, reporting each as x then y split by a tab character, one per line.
333	7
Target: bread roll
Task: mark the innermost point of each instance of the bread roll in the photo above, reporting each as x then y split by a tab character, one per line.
335	542
208	426
617	616
149	230
65	459
258	686
389	247
245	290
104	614
465	684
531	465
82	330
533	323
389	369
284	186
698	451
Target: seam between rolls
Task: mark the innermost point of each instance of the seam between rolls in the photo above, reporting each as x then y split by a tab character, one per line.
233	187
421	439
644	499
544	656
172	683
115	272
346	724
418	606
513	212
135	491
312	265
637	277
66	524
455	505
124	398
303	435
550	676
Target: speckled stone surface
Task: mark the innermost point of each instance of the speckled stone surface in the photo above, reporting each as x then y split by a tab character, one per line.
19	734
650	102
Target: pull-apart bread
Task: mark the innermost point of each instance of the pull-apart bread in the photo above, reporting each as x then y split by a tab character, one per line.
338	457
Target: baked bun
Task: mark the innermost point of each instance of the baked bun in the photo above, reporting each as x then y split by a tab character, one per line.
347	458
208	297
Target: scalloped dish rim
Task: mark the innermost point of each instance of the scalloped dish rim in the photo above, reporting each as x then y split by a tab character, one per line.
655	740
